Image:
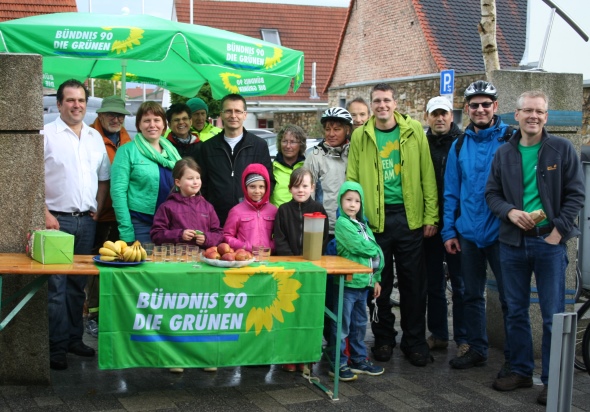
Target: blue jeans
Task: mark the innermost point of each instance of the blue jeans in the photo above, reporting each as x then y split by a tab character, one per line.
65	294
434	252
548	263
473	266
142	230
354	324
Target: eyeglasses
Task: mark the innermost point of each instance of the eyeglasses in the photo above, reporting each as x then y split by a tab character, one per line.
485	105
111	115
229	112
181	120
529	112
290	142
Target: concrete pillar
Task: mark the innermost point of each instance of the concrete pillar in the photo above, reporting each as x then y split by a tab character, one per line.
565	119
24	344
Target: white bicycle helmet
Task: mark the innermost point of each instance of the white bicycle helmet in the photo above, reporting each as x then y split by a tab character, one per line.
337	113
481	88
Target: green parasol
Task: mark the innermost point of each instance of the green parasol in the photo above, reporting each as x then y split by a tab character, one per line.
145	49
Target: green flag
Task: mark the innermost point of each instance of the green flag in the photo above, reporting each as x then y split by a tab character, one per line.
172	315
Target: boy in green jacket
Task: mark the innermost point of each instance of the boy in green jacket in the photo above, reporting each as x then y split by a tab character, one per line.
355	241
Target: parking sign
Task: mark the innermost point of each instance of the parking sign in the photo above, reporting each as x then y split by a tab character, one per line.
447	82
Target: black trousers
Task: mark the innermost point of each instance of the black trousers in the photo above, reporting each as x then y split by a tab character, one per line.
397	240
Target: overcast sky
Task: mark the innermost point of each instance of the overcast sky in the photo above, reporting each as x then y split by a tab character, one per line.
566	52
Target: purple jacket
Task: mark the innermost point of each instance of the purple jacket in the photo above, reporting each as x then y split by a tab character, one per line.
178	213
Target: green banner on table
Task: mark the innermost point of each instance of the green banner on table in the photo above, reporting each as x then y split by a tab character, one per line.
174	315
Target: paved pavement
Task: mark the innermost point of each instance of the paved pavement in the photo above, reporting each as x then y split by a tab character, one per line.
403	387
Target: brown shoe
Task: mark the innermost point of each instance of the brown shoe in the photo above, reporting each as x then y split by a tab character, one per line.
462	349
542	398
512	382
435	343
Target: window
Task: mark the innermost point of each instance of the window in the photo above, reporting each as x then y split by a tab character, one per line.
271	36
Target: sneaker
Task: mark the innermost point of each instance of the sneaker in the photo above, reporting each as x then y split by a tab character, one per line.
92	328
505	371
366	367
176	370
435	343
469	360
290	367
542	398
210	369
345	374
512	382
382	353
462	349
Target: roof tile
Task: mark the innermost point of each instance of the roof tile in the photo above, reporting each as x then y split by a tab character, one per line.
315	30
10	10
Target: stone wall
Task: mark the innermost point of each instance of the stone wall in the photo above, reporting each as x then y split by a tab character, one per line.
411	94
585	130
24	343
308	120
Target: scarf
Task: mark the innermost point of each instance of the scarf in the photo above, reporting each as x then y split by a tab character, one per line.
167	158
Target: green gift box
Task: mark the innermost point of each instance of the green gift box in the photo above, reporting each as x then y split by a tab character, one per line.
51	246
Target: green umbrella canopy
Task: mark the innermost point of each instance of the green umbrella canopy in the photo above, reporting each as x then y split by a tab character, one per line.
141	48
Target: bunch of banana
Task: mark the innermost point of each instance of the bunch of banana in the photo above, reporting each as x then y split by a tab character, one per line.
120	251
134	253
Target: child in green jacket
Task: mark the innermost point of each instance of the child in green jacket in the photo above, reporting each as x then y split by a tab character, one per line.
355	241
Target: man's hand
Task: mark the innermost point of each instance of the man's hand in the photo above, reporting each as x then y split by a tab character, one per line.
521	219
50	221
452	246
430	230
554	237
377	290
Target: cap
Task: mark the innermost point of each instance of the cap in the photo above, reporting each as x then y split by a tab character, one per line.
254	177
439	102
113	104
197	104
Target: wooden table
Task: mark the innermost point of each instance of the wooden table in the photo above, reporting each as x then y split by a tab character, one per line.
20	264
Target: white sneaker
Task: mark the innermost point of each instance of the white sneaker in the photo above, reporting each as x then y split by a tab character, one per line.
210	369
176	370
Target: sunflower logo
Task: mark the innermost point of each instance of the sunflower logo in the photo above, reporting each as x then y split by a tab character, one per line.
285	294
227	84
121	46
270	62
388	148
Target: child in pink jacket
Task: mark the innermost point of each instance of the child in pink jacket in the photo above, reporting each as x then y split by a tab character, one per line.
251	222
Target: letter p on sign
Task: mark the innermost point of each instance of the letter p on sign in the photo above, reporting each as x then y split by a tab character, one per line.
447	82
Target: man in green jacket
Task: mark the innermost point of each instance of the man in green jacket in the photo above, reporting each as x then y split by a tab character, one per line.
199	116
390	157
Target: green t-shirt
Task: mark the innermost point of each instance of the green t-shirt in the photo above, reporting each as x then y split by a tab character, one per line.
530	199
388	144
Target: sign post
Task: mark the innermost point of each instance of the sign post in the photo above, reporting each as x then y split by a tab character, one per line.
447	83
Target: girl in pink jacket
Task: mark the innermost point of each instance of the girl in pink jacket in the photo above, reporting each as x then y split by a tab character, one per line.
251	222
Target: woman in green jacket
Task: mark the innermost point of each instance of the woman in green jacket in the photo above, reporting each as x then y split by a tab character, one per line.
141	174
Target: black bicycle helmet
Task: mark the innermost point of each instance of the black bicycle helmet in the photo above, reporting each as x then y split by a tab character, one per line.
481	88
337	113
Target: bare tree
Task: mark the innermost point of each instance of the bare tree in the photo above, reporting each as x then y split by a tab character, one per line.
487	33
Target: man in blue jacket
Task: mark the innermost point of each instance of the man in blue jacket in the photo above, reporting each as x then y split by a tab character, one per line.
536	188
469	225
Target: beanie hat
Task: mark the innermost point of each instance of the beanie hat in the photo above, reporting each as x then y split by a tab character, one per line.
197	104
254	177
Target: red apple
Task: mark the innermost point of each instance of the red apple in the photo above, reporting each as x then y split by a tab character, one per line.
212	254
223	248
229	257
241	254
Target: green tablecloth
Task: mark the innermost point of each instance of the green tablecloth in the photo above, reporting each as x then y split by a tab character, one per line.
174	315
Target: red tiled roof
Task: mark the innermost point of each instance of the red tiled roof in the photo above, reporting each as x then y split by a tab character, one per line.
315	30
450	27
10	9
